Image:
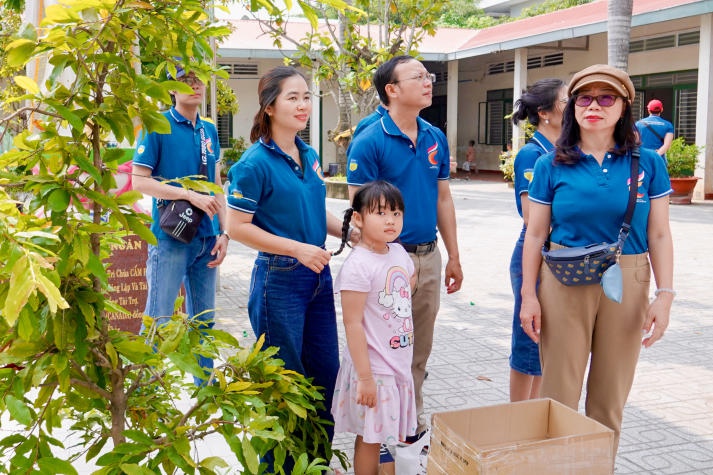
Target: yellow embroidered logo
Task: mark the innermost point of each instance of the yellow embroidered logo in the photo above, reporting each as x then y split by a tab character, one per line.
237	195
141	149
353	166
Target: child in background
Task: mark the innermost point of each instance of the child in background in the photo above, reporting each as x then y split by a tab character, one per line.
374	395
469	165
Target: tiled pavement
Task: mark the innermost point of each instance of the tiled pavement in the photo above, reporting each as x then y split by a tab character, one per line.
668	421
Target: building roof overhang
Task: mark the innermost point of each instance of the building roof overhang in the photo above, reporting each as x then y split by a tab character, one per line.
250	41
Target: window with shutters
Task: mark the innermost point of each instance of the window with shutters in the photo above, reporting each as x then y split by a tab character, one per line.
498	128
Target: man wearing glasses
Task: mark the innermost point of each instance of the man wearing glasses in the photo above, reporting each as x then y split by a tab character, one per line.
160	157
413	155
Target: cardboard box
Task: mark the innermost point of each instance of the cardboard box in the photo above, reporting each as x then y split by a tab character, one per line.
540	436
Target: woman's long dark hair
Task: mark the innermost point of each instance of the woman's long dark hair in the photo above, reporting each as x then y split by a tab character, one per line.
269	87
543	95
625	136
368	198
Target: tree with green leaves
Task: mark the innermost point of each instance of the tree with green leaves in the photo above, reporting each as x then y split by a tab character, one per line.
343	50
127	398
467	14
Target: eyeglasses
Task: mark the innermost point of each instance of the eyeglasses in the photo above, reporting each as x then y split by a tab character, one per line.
604	100
564	100
190	80
423	77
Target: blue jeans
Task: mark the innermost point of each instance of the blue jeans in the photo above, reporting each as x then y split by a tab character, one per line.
525	355
294	308
171	263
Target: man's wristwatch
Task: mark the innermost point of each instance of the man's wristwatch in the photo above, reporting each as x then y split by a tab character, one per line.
224	233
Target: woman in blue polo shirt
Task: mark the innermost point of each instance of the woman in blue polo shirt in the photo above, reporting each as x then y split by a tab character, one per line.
276	204
578	196
541	105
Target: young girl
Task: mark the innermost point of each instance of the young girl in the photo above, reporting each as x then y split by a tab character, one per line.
374	396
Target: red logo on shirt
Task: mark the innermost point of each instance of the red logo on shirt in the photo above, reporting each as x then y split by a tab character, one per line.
432	152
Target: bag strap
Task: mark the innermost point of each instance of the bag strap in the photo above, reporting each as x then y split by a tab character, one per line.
633	188
202	171
650	127
204	155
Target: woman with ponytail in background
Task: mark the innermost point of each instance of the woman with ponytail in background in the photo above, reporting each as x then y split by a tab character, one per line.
541	105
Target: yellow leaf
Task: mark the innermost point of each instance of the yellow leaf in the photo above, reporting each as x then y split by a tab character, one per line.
27	84
51	292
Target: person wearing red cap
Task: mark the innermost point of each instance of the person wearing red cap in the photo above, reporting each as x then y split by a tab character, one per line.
655	132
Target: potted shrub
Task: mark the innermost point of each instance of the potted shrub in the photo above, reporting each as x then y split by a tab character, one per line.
507	166
681	164
232	155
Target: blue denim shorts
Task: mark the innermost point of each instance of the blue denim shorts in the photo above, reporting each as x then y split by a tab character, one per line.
525	353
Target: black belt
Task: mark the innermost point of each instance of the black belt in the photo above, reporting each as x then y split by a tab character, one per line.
423	248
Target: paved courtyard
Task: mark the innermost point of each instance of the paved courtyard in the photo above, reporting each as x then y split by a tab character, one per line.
668	422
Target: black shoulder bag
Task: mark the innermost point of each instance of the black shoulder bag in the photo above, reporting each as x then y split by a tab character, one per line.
179	218
583	265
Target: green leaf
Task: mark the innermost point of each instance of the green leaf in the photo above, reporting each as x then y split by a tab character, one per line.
18	410
134	350
155	122
58	200
27	84
138	436
25	326
135	469
73	119
187	363
59	14
111	353
251	458
55	465
213	463
19	52
96	448
139	227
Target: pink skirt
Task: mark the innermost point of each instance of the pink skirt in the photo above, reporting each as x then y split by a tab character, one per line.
391	420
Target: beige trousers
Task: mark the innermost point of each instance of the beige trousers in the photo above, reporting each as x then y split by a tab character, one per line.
580	324
425	301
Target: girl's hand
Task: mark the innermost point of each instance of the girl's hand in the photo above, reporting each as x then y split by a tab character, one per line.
530	317
366	392
313	257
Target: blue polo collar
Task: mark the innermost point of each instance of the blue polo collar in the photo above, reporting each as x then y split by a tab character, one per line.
176	116
390	127
301	146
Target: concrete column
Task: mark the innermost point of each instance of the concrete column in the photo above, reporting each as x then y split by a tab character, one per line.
452	107
519	83
704	110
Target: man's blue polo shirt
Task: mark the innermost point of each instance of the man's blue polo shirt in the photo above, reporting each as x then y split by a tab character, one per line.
648	138
383	152
177	155
285	199
368	120
537	146
588	201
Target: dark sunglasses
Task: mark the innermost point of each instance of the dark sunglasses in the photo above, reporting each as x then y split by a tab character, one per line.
604	100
